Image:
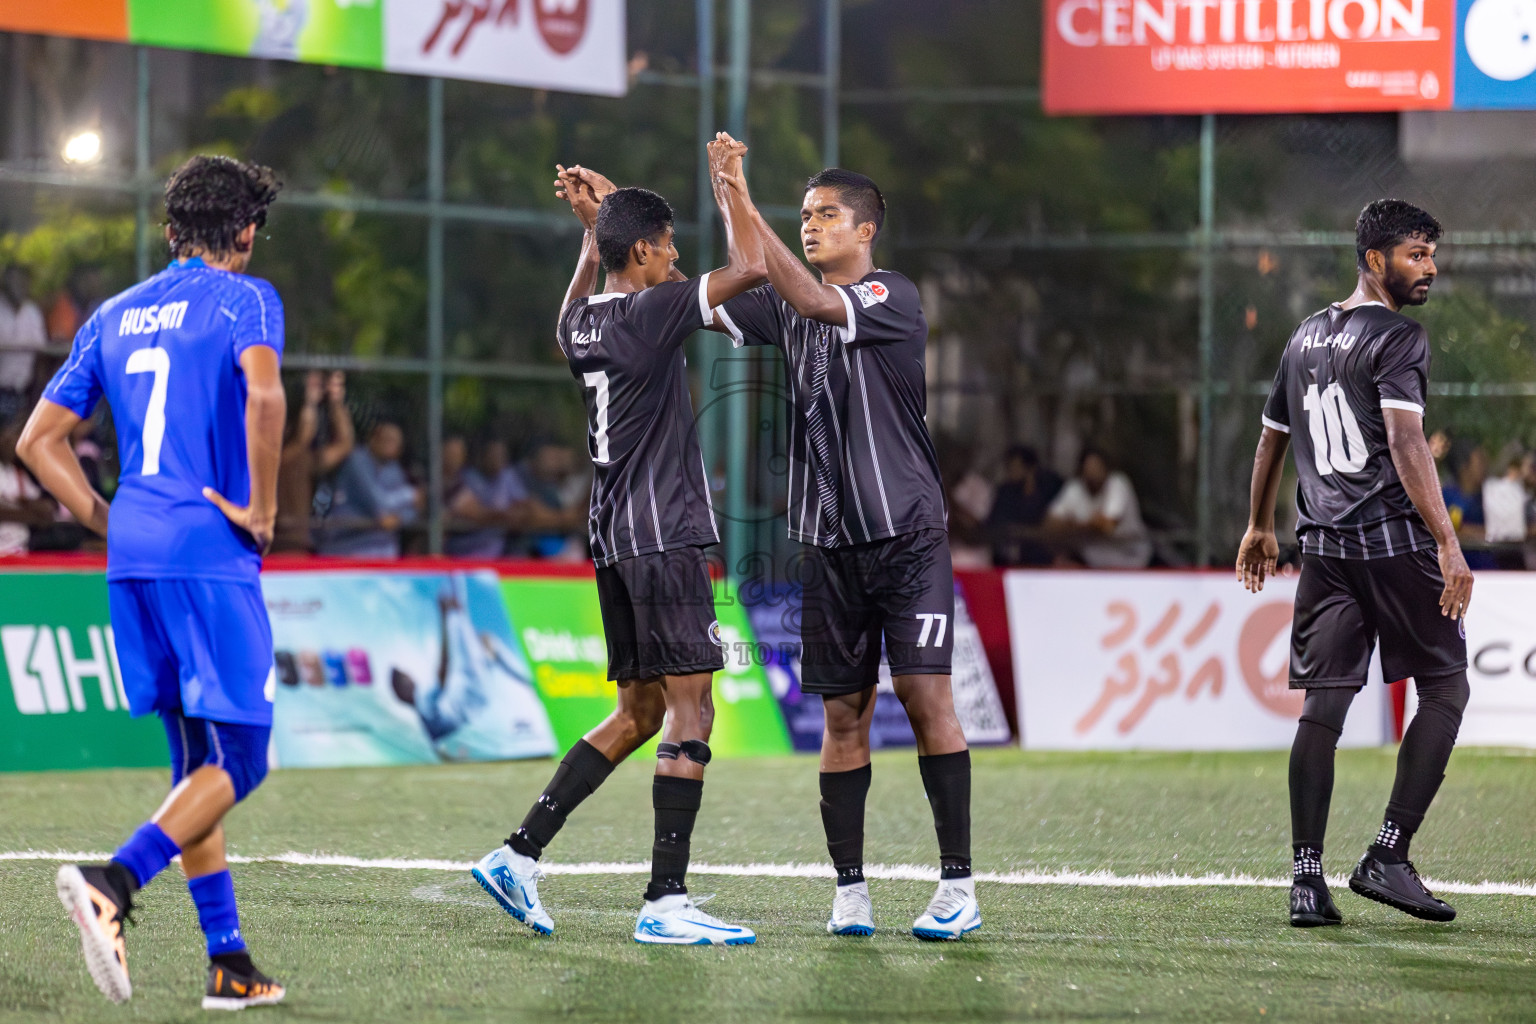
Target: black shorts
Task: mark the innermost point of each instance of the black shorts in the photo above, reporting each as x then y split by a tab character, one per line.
1343	605
902	589
659	615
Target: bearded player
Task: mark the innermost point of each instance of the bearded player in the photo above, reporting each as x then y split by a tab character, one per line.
189	362
1380	559
867	505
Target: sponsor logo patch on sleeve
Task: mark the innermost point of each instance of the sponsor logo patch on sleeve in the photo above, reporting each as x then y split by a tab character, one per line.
871	293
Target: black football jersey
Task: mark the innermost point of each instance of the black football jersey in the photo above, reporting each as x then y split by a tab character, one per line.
1340	369
650	492
869	449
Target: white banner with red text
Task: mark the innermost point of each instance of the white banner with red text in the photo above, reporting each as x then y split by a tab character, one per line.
1161	661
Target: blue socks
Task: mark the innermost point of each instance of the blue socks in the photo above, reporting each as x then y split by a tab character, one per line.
215	898
146	853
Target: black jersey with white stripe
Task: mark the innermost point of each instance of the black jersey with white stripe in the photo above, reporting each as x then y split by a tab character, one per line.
650	492
877	449
1340	369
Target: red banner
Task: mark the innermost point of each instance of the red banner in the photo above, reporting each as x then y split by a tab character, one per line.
1246	56
88	19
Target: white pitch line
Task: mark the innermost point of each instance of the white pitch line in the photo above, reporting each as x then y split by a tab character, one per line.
895	872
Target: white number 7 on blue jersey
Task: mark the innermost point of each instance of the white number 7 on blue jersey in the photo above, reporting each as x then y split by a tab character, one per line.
158	362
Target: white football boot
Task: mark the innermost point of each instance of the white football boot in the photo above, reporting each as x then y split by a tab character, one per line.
852	913
677	920
513	881
951	913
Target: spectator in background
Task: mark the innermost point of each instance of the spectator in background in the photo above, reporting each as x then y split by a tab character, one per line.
21	329
22	503
473	527
1439	448
1019	509
558	498
1468	465
969	499
371	498
1097	516
73	306
306	459
1504	510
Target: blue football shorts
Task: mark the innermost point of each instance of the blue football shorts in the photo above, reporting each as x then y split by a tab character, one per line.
201	649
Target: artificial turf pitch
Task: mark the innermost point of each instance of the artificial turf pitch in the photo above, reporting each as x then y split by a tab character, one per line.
369	944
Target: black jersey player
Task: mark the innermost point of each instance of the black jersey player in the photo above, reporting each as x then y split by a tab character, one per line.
1380	559
866	501
649	523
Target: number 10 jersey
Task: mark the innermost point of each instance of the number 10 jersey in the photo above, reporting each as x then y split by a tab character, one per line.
166	354
1340	369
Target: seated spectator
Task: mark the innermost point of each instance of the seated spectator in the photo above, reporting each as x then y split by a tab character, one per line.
1504	510
305	459
371	498
1098	518
1019	509
1439	448
969	498
1468	464
559	497
474	527
22	503
21	329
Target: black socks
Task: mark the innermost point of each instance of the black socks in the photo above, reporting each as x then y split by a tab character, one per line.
842	816
677	807
581	771
947	781
1421	761
1312	754
236	963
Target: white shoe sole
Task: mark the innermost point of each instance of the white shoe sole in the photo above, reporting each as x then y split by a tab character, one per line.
230	1003
944	934
100	957
852	928
657	940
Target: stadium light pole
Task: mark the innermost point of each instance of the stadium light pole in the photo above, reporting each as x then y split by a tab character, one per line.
831	73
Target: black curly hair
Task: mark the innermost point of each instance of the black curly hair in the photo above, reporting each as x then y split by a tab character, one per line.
1384	224
211	199
626	216
857	191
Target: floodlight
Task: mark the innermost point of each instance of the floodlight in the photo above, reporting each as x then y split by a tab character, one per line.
83	148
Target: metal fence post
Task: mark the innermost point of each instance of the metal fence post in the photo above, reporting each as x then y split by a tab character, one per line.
141	180
1203	517
832	73
435	316
738	529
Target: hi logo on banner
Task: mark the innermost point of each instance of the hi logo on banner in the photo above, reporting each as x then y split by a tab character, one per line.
47	672
1152	664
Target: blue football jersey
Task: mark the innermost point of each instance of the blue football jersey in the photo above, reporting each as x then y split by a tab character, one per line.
166	354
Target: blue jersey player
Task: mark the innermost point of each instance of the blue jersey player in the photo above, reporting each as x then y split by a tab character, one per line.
189	362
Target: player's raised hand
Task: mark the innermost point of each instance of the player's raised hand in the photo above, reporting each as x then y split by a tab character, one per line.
1457	594
1256	558
725	161
259	525
601	187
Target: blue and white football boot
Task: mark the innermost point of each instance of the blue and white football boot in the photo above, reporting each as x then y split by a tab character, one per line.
951	913
513	881
677	921
852	913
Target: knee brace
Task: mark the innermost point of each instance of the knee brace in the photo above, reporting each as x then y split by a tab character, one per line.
1328	707
696	751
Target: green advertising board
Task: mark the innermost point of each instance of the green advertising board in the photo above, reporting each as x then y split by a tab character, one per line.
318	31
561	630
62	703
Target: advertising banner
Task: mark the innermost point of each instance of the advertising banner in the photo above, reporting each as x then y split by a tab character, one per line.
382	668
1249	56
561	628
573	45
1496	54
62	703
1160	661
1501	655
86	19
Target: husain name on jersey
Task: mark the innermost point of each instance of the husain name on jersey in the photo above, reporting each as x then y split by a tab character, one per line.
1340	370
650	492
